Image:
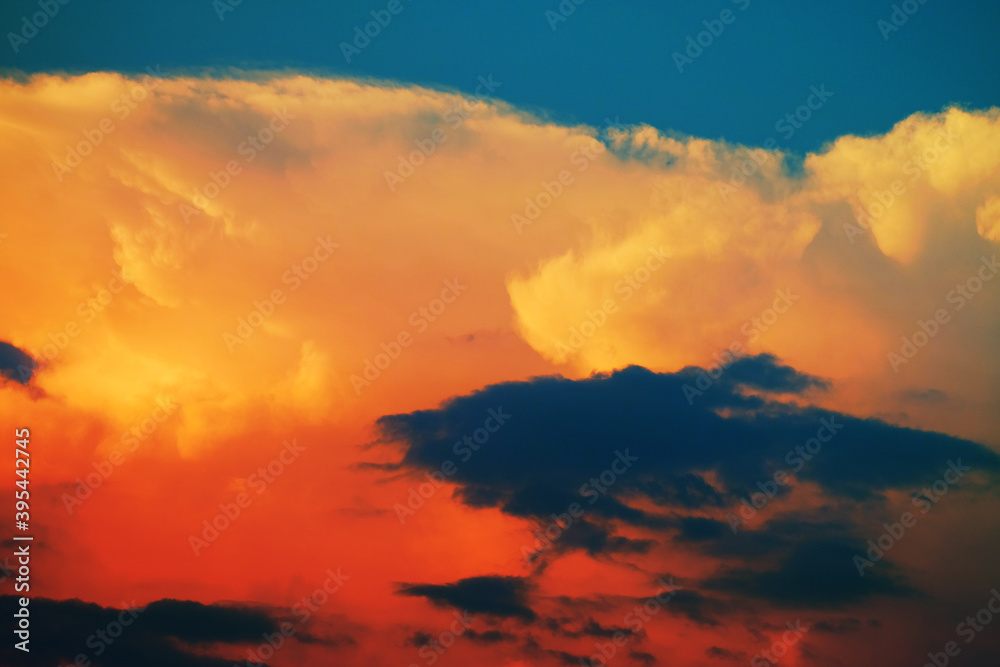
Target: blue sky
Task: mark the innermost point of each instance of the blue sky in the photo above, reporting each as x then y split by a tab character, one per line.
605	61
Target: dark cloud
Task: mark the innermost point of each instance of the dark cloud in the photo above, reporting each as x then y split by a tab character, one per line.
925	396
488	636
696	607
562	442
565	658
818	573
194	622
489	594
772	538
687	490
591	628
838	626
16	365
629	448
594	629
697	529
166	633
765	373
682	602
420	639
533	649
725	654
593	539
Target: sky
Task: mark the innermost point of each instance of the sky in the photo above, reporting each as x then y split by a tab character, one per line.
518	334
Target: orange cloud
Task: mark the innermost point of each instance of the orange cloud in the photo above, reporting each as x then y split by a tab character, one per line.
288	255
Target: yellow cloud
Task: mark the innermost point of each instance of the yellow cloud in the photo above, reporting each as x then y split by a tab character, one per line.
215	196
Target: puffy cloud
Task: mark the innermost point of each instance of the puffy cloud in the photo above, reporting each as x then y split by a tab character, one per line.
177	206
282	254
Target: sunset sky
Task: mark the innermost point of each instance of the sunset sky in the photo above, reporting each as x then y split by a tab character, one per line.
520	334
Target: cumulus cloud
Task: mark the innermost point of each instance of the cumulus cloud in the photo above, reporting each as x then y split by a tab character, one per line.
276	251
210	194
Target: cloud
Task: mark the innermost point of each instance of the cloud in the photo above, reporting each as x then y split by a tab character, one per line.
490	594
164	632
15	364
816	573
563	433
925	396
724	654
724	265
488	636
597	539
591	628
697	607
765	373
696	528
838	626
198	623
566	658
648	228
563	441
701	608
